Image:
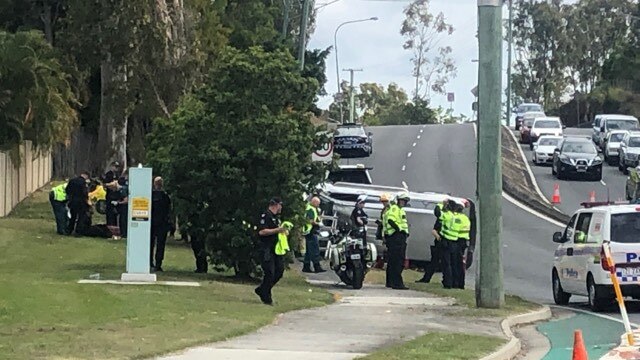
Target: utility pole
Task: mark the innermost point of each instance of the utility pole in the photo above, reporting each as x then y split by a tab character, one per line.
285	18
489	287
303	32
352	101
509	51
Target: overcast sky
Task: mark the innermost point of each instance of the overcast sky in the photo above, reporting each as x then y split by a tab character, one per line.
376	46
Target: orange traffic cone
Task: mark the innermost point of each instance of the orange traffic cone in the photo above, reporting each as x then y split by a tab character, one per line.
556	194
579	351
592	196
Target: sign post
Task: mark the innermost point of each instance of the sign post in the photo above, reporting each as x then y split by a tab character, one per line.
139	226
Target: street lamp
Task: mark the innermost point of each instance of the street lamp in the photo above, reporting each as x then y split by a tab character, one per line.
335	46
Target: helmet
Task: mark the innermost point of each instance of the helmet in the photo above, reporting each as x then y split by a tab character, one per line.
403	196
361	198
385	197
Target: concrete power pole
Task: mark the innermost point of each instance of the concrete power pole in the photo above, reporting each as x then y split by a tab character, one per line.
285	18
304	21
489	287
352	101
509	52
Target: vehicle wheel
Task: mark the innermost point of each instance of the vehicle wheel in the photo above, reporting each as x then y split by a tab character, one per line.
559	296
560	175
358	275
597	302
344	277
553	170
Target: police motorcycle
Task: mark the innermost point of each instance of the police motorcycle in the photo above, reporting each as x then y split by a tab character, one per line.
346	255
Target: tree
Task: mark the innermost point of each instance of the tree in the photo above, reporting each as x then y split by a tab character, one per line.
37	102
233	145
433	66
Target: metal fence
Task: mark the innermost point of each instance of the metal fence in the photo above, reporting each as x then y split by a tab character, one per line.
16	183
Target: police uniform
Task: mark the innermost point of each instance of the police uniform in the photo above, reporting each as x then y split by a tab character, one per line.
272	264
436	249
455	231
58	200
77	198
396	231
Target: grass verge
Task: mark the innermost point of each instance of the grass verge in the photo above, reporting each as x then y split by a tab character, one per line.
466	298
437	346
45	314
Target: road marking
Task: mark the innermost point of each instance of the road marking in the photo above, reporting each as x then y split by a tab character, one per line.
419	137
409	155
404	167
414	144
603	183
531	211
421	131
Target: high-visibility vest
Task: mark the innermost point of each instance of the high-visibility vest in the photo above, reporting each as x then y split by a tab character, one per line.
308	226
282	246
399	216
59	193
462	225
383	219
448	229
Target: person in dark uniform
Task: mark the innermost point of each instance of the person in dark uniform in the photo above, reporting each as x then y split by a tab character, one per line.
359	220
78	201
160	222
123	202
199	252
437	248
109	180
272	264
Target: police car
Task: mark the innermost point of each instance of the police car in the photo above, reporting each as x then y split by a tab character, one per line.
580	267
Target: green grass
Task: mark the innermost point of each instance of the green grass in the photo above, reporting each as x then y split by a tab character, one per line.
45	313
438	346
466	298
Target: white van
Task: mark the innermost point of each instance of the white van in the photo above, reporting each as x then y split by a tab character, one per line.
602	124
545	126
579	266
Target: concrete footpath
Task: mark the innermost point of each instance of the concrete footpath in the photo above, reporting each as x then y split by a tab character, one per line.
360	322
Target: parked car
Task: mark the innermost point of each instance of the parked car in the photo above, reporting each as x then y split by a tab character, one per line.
545	126
611	144
577	157
351	140
629	151
351	174
604	123
543	149
521	109
580	264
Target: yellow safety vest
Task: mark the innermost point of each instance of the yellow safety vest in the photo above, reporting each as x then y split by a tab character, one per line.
59	193
308	226
399	216
462	225
282	246
448	229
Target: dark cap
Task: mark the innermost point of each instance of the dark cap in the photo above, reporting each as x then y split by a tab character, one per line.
275	201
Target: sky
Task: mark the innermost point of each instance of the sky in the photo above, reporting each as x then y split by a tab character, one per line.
376	46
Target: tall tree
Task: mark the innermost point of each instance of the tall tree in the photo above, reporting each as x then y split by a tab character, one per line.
433	66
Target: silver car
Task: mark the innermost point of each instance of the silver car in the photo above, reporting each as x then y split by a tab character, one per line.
629	151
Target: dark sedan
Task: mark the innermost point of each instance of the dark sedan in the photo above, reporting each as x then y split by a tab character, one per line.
351	140
578	158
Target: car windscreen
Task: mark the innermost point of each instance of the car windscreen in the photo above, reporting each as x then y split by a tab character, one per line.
634	141
548	142
350	176
625	228
528	122
547	124
350	131
529	108
616	137
619	124
582	147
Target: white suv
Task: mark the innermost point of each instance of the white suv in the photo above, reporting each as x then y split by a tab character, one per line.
579	266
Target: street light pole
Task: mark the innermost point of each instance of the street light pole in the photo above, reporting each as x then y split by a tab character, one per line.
335	48
352	102
509	52
489	287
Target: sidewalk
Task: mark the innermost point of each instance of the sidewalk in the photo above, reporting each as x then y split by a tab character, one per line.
360	322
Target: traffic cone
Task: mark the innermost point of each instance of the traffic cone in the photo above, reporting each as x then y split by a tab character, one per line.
592	196
556	194
579	351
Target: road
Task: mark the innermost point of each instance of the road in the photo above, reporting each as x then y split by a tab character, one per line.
574	192
442	158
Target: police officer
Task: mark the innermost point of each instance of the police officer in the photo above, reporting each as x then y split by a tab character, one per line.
397	231
436	249
160	222
384	199
77	191
272	264
359	219
58	200
455	231
310	232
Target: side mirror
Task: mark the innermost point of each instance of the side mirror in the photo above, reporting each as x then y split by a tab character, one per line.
557	237
564	126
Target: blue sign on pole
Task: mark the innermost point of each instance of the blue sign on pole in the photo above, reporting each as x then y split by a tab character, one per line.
139	226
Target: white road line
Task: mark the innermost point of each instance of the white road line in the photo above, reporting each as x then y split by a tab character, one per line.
409	155
404	167
531	211
421	131
419	137
414	144
603	183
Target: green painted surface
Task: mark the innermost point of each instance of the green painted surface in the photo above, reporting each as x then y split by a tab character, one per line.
600	335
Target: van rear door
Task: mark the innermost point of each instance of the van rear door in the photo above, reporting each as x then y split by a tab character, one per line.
625	245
